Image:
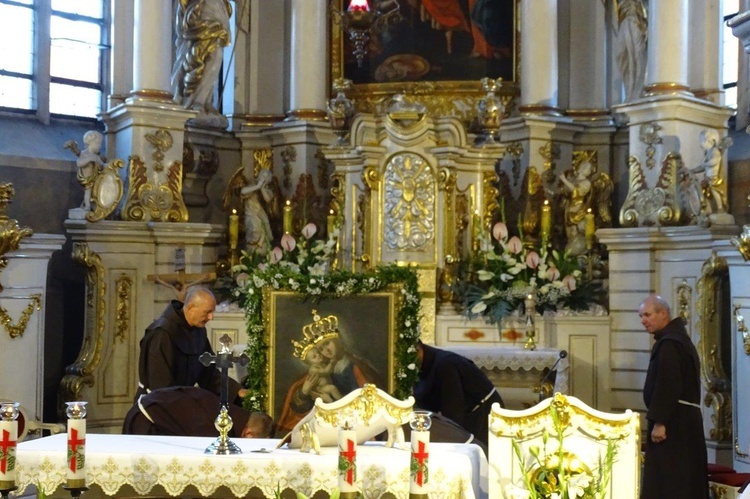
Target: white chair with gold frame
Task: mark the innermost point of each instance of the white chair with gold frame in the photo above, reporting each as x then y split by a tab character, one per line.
28	425
563	443
369	410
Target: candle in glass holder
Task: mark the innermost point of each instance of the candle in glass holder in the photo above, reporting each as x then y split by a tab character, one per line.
234	229
76	455
589	228
288	217
359	5
8	442
546	221
420	422
347	462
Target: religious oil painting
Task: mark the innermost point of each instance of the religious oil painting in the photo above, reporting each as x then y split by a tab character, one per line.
430	41
325	349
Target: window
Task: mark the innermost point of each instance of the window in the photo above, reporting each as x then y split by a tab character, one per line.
54	57
730	54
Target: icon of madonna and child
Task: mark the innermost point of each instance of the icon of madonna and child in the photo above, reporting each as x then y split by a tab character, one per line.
333	369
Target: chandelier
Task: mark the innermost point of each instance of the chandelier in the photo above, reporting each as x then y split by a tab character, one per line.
359	20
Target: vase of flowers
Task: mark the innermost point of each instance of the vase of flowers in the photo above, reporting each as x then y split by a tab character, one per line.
505	272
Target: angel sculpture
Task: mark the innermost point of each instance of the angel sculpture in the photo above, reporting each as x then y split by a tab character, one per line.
584	191
90	162
714	188
260	206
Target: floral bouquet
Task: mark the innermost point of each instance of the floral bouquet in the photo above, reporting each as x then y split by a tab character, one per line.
507	273
554	473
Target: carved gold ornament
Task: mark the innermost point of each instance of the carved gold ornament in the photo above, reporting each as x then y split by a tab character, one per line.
718	386
149	201
10	232
82	370
106	191
648	134
742	328
742	242
367	403
647	206
19	328
124	287
409	211
263	160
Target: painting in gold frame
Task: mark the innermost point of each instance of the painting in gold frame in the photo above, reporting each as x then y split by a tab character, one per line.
412	56
363	351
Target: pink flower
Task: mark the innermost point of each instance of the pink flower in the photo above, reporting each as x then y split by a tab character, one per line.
553	274
532	260
570	282
288	242
309	230
500	231
276	255
515	245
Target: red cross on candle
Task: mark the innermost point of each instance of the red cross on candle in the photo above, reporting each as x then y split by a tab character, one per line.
421	457
73	443
6	445
350	454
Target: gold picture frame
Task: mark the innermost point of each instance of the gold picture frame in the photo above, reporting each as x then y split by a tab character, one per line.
453	96
292	320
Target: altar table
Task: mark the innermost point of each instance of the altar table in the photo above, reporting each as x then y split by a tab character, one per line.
128	465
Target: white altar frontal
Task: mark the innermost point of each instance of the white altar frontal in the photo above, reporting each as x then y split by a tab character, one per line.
130	465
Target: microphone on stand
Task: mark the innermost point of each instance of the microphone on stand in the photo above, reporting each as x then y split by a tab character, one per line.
553	369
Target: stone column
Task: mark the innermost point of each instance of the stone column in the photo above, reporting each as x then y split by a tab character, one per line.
539	75
121	55
152	44
667	48
704	69
309	60
587	68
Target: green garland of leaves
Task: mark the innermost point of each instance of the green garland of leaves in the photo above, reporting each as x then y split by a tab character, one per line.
334	284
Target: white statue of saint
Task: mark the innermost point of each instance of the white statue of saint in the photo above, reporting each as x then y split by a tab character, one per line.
631	36
258	234
202	31
90	163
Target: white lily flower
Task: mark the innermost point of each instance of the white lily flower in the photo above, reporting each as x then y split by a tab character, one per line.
485	275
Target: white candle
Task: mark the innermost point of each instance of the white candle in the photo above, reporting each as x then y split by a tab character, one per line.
8	442
76	454
347	461
420	451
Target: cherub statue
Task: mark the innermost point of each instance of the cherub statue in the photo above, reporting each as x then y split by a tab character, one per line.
714	189
90	162
584	190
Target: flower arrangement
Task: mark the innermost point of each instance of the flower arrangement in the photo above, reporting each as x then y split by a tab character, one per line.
554	473
304	266
507	272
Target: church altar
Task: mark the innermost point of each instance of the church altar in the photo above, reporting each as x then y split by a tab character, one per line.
128	465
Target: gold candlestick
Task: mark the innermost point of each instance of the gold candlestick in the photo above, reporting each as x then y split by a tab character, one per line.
331	223
589	229
234	235
288	217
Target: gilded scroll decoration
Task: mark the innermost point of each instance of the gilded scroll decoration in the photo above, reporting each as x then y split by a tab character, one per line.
647	206
684	298
162	141
551	153
10	232
742	328
288	156
124	293
741	242
16	330
409	203
491	193
717	383
149	201
515	150
82	370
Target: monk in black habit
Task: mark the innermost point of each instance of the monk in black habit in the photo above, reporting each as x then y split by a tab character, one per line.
173	343
190	411
676	459
455	387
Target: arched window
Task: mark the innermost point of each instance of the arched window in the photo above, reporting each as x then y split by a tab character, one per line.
54	57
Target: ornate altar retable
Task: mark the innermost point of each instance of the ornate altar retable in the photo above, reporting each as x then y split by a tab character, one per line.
129	465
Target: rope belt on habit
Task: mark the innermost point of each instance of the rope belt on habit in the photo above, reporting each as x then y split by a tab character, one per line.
685	402
143	409
140	385
485	399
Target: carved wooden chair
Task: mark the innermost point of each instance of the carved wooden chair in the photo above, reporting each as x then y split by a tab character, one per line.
597	448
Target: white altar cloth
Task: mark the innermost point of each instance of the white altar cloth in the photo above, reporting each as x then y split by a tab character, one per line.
174	463
518	358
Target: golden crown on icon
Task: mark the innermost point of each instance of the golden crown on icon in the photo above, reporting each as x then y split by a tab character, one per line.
321	329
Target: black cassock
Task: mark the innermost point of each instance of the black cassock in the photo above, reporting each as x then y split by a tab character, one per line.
169	355
675	467
180	411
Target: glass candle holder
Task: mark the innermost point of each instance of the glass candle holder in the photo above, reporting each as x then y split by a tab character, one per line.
8	442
